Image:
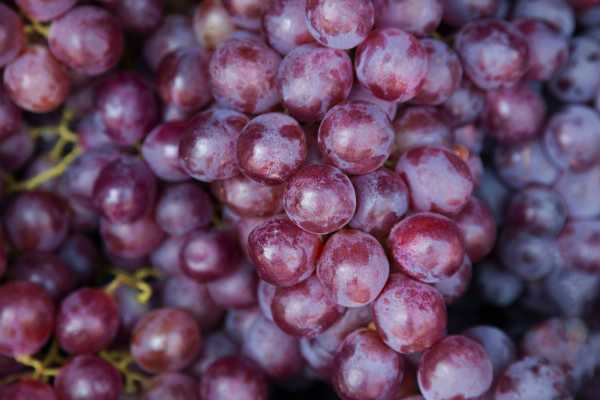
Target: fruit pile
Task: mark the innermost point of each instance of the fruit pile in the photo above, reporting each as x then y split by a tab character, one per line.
292	199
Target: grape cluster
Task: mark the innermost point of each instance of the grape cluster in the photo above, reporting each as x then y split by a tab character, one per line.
285	199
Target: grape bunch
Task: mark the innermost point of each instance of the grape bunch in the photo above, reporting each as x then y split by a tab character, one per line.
291	199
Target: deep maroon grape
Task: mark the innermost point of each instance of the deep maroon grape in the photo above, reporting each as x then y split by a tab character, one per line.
171	386
161	151
420	17
88	377
410	316
284	25
237	289
320	199
478	228
392	64
27	389
420	126
459	12
539	210
523	164
531	378
44	10
12	38
183	207
207	256
556	13
233	378
174	33
249	198
44	269
131	240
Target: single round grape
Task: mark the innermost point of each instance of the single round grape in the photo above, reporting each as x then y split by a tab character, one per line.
88	39
161	151
271	148
498	286
548	48
174	33
186	294
353	268
248	197
141	16
44	10
420	126
392	64
410	316
556	13
524	164
320	199
243	75
237	289
233	377
356	137
165	340
572	137
539	210
365	368
183	81
265	293
36	81
438	180
579	191
465	105
87	321
171	386
284	254
26	318
165	258
455	286
212	24
36	220
183	207
44	269
361	94
128	107
131	240
284	25
339	24
239	321
12	37
124	190
27	389
493	52
217	345
531	378
419	17
578	244
88	377
247	14
381	201
478	228
514	114
497	344
312	79
274	351
531	257
578	81
459	12
444	73
205	149
455	367
207	256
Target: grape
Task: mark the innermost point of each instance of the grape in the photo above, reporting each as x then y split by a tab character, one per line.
571	290
130	310
186	294
524	164
92	131
498	286
515	114
312	79
556	13
165	340
391	64
161	151
538	210
27	390
427	246
459	12
183	81
140	16
438	179
239	321
165	258
131	240
361	94
243	75
415	16
36	81
420	126
365	368
410	316
81	256
128	107
572	137
124	190
464	105
87	321
171	386
205	147
356	137
579	192
236	290
12	38
36	220
87	39
44	10
548	49
247	14
217	345
578	245
207	256
44	269
455	367
231	378
26	318
319	199
339	24
265	294
88	377
284	254
353	268
493	52
478	228
277	353
271	148
212	24
244	227
530	257
497	345
183	207
249	198
284	25
531	378
174	33
578	81
10	115
455	286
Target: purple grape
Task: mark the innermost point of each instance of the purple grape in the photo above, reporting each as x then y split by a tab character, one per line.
498	286
539	210
420	126
27	389
531	257
171	386
166	258
206	256
142	16
12	37
217	345
232	377
420	17
524	164
81	255
174	33
249	198
88	377
237	289
531	378
183	207
578	244
265	293
458	13
239	321
43	10
455	286
579	192
497	344
131	240
161	151
284	25
44	269
361	94
247	14
464	105
478	228
556	13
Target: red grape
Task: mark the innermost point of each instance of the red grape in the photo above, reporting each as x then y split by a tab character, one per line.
478	228
420	126
362	94
88	377
161	151
247	13
453	287
284	25
458	12
217	345
174	33
556	13
539	210
171	386
183	207
212	23
131	240
44	10
265	294
27	389
531	378
497	344
209	255
237	289
420	17
141	16
249	198
12	37
44	269
230	378
464	105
